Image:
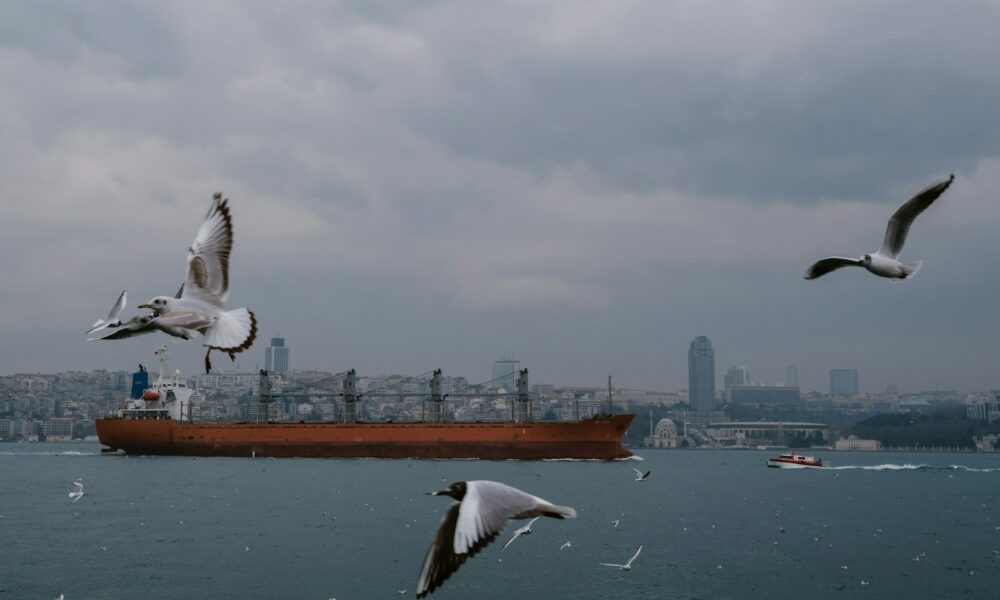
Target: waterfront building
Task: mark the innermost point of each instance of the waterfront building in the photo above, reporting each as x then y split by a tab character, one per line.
983	408
701	374
276	356
857	445
844	382
58	429
763	395
755	433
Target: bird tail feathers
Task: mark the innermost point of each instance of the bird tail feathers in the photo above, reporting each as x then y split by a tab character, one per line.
912	268
234	331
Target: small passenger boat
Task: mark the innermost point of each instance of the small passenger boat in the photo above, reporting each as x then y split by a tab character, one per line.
790	460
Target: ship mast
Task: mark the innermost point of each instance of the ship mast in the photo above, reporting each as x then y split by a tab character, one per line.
161	354
609	395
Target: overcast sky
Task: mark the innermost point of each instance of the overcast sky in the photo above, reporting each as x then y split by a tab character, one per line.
588	185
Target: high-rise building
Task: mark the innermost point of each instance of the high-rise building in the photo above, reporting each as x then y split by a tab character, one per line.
736	375
844	382
791	376
276	356
701	375
505	370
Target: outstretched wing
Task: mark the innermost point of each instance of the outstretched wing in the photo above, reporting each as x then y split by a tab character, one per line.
116	310
131	329
441	560
832	263
208	257
629	563
899	224
113	315
516	535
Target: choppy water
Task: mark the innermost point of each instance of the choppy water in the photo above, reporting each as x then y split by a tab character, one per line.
713	525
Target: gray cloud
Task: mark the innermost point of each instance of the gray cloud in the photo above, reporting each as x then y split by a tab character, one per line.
434	184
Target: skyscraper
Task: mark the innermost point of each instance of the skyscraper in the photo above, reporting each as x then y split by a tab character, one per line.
505	371
844	382
736	375
701	375
791	376
276	356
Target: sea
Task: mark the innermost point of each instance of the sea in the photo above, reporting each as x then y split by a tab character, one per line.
713	524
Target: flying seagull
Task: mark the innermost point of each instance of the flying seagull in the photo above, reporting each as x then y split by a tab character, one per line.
519	532
469	525
640	476
112	320
566	545
628	565
616	522
884	263
144	324
198	306
77	492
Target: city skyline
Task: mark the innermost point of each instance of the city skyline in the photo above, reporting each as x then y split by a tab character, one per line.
431	186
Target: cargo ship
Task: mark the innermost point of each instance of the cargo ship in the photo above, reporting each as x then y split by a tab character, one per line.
159	422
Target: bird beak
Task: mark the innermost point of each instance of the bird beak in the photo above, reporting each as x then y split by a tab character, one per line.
149	306
438	493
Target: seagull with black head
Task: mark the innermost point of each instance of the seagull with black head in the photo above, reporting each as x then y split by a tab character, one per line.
481	512
198	306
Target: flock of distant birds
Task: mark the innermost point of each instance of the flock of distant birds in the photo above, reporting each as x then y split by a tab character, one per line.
479	514
482	508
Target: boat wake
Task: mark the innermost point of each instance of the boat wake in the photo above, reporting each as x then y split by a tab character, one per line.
909	467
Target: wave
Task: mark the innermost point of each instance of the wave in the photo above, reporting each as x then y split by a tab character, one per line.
910	467
64	453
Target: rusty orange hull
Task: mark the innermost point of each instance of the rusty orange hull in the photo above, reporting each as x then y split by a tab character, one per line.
594	438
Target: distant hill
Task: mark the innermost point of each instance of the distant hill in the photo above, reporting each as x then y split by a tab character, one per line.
947	427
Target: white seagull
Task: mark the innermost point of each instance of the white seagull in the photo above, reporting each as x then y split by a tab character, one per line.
143	324
616	522
113	319
519	532
884	263
628	565
481	513
77	492
198	306
640	476
566	545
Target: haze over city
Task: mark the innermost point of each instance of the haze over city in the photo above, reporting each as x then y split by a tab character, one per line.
588	186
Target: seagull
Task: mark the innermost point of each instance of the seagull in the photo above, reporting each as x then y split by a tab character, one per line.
566	545
519	532
113	319
616	522
628	565
77	492
198	304
141	325
640	476
470	524
884	263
